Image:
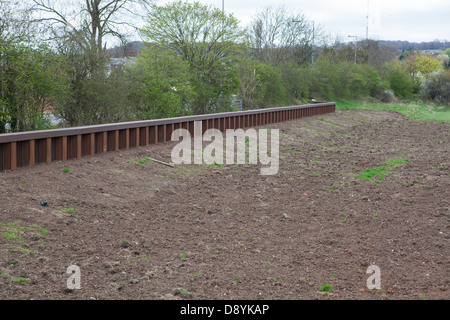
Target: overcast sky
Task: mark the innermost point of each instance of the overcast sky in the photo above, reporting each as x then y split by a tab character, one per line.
411	20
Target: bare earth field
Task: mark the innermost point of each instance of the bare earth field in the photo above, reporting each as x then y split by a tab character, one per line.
148	231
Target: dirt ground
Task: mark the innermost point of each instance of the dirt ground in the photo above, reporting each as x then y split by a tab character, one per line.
141	230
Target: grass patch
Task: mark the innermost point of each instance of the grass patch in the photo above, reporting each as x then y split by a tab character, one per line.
144	257
12	230
373	173
326	288
379	173
413	110
4	274
17	279
144	160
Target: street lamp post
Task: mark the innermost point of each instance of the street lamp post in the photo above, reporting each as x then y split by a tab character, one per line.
356	41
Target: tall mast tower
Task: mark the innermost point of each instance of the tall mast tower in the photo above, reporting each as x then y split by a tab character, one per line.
367	20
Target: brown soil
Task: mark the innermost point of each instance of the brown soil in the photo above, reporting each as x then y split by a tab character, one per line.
144	230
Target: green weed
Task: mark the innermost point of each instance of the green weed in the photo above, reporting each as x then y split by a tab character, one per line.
144	257
17	279
379	173
326	288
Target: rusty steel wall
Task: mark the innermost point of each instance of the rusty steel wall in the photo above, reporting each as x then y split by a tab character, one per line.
30	148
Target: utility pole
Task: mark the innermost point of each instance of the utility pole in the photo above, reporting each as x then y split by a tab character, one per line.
356	41
223	5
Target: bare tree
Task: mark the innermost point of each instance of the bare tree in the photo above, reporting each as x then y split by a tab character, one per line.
378	53
279	34
15	21
80	29
90	22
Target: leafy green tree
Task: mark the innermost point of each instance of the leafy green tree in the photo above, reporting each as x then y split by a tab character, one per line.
209	40
261	85
400	82
364	81
270	91
160	85
295	81
447	52
427	65
31	81
96	94
419	65
405	54
329	80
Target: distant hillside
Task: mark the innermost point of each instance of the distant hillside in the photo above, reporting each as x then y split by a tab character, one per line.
131	49
134	48
416	46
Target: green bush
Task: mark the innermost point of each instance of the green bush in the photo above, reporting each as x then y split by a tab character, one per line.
31	81
328	80
270	91
436	87
364	81
401	83
343	80
161	86
295	81
261	85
